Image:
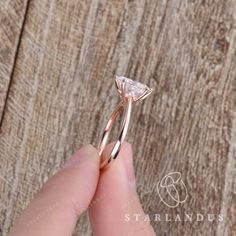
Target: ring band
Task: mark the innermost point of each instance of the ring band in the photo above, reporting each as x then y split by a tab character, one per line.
123	107
129	92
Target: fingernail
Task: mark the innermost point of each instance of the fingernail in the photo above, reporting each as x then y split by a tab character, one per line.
129	167
81	155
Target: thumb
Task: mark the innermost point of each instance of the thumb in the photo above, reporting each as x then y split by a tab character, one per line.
55	209
116	204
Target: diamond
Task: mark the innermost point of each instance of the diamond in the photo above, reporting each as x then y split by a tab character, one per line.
129	88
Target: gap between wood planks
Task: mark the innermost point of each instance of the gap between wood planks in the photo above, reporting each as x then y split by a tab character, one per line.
14	62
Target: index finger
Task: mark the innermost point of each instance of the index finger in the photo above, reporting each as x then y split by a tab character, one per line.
55	209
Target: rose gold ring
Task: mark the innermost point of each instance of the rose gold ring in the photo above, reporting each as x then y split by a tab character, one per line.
130	91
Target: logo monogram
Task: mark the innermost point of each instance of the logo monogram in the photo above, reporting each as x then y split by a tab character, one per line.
172	190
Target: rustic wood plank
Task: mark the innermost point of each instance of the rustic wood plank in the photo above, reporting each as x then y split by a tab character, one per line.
186	50
12	15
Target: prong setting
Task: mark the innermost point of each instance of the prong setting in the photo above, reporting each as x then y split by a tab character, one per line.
128	88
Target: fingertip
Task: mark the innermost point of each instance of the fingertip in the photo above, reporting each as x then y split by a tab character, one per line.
121	169
129	163
125	161
116	196
86	152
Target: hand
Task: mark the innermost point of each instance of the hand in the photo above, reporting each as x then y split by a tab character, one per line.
109	195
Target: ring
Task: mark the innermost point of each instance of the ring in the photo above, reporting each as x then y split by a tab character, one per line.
130	91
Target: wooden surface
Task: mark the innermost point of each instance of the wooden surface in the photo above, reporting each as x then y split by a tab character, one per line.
57	62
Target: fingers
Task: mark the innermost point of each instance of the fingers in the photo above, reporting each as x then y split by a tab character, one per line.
55	209
116	200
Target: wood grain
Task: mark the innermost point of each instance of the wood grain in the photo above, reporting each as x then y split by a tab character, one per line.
62	93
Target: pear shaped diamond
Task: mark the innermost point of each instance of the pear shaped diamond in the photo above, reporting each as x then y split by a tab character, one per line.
129	88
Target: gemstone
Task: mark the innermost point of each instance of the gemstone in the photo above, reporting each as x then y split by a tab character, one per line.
130	88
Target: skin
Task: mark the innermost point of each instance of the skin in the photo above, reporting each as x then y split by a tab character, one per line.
109	196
